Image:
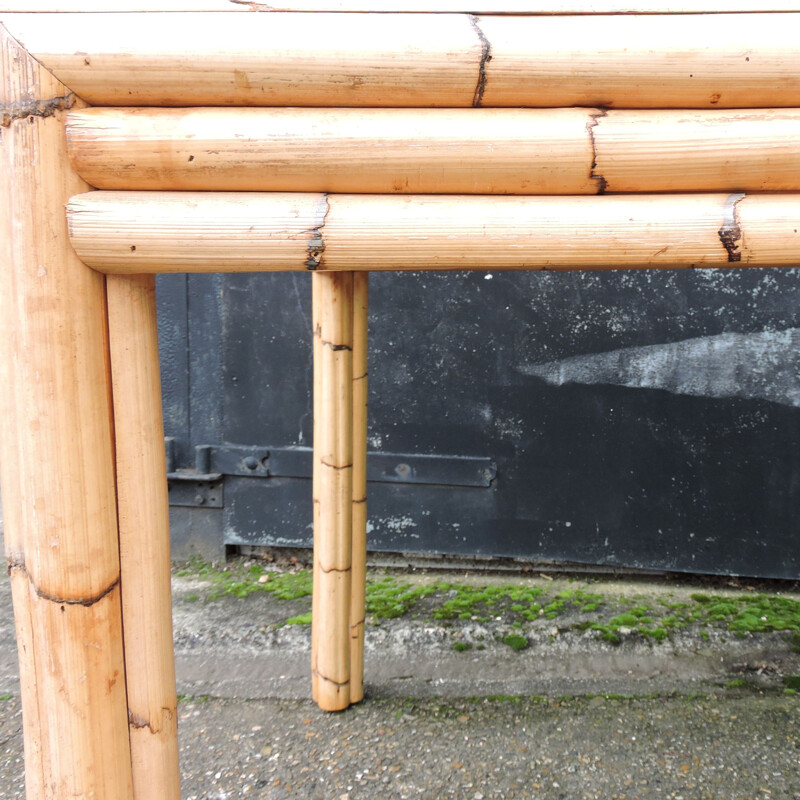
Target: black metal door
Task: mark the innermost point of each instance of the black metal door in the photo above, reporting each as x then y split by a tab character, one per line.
639	419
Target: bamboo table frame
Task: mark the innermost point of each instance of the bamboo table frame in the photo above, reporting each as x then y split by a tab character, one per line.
81	454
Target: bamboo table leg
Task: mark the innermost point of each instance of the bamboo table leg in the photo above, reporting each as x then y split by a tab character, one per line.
143	511
332	485
359	536
56	452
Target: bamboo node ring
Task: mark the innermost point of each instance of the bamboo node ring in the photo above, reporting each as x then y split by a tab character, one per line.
730	234
316	244
317	674
594	121
27	109
486	57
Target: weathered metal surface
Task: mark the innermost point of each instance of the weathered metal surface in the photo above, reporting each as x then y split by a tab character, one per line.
295	462
644	420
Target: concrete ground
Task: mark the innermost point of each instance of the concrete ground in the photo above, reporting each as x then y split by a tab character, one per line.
454	712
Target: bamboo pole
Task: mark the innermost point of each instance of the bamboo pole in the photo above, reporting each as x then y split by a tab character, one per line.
143	508
258	59
215	232
401	60
274	229
686	151
57	465
359	535
644	61
333	488
459	151
453	151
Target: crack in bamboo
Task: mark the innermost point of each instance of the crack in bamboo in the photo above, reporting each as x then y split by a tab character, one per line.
486	57
27	109
334	466
316	244
594	121
62	601
328	570
318	674
730	234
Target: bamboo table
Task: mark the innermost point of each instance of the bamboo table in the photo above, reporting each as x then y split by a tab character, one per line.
206	137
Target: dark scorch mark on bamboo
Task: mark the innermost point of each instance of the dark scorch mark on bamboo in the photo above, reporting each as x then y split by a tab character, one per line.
316	244
336	347
486	57
730	234
594	120
138	723
28	109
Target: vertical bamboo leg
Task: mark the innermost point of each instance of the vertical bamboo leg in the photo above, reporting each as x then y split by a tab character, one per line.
57	457
144	537
333	487
359	549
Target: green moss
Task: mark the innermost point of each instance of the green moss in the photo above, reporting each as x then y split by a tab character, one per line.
4	697
790	692
461	647
301	619
518	606
191	598
792	682
239	581
659	634
387	598
516	641
722	611
736	683
701	598
623	621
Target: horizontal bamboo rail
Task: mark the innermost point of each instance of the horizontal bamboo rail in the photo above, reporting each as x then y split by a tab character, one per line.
446	60
534	7
442	151
139	232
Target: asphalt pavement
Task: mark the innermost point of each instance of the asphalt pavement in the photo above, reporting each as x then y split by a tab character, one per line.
453	711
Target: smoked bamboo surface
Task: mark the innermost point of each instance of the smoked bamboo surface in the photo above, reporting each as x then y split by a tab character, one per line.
332	308
228	232
405	6
143	513
359	535
445	60
418	151
56	451
463	151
